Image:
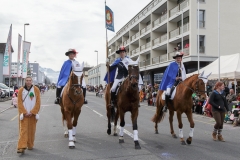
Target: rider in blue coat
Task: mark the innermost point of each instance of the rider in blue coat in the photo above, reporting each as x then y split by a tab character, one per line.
173	75
65	73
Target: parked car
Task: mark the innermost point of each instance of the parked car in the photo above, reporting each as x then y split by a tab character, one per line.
6	89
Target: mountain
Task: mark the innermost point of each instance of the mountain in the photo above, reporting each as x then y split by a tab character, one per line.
50	73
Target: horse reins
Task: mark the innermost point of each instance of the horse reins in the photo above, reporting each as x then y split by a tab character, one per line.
196	90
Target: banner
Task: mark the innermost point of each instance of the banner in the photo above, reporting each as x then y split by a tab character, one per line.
109	19
26	50
19	55
7	53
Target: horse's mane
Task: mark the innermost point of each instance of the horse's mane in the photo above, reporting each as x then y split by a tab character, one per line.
187	79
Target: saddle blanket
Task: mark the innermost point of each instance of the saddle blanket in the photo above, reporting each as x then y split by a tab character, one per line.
172	96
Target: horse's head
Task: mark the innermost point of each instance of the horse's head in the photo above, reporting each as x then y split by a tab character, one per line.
76	82
198	85
133	74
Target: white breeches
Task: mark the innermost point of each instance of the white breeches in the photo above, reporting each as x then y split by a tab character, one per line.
83	83
114	86
168	91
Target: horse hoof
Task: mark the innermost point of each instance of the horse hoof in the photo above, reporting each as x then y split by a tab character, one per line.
121	140
156	132
66	135
138	147
109	131
183	143
115	134
188	141
71	147
174	136
74	139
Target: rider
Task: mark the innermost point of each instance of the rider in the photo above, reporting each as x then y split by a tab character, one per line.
65	73
121	64
173	75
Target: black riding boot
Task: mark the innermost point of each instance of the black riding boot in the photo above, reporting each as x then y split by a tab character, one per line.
58	94
84	95
113	97
167	97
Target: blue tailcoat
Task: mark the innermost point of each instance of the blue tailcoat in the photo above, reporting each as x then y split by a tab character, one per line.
64	73
113	72
169	76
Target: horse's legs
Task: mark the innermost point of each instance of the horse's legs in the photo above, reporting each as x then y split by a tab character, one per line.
180	126
109	120
135	128
122	124
70	131
190	119
65	128
171	114
75	121
115	123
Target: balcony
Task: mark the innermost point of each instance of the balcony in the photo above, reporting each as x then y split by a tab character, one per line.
145	46
159	59
144	63
160	20
144	30
126	42
179	7
160	39
178	31
135	51
185	53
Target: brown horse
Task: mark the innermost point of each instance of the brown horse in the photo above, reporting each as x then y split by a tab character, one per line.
110	110
71	103
128	100
182	103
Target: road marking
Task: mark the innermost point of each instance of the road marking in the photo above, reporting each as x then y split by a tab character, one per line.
14	117
125	131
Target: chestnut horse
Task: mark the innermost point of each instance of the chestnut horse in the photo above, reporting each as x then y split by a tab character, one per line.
128	100
71	103
182	103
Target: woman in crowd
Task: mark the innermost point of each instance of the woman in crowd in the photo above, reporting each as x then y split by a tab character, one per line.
219	106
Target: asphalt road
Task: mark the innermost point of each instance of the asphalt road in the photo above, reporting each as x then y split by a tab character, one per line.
94	143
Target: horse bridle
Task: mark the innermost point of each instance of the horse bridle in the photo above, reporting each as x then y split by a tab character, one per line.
197	91
74	87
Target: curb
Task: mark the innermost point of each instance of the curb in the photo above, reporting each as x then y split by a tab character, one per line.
6	109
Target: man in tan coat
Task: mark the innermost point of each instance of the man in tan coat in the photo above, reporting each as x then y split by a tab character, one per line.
28	108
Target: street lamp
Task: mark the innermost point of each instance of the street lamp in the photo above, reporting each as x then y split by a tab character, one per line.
97	66
26	24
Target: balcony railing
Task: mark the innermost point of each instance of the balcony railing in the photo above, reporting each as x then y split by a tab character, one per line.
161	58
143	31
143	47
159	40
179	7
137	50
145	63
160	20
178	31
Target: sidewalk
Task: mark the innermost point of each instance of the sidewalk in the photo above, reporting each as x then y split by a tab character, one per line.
5	105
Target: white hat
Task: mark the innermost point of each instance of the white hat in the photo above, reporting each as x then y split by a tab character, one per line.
77	68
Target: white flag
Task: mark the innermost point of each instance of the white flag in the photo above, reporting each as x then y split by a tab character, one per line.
19	55
26	50
7	53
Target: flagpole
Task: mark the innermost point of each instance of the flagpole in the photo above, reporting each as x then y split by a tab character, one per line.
10	62
218	41
198	45
107	45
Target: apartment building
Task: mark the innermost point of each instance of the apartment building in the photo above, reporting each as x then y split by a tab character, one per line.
96	75
157	29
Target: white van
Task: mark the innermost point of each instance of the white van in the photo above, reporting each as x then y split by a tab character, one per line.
6	89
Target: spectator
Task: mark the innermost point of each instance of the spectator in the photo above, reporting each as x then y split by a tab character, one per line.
238	98
15	87
231	96
226	90
233	86
219	106
209	89
154	95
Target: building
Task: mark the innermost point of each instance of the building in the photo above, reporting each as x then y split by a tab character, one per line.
157	29
96	75
85	72
2	51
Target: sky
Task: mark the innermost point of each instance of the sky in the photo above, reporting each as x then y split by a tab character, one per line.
58	25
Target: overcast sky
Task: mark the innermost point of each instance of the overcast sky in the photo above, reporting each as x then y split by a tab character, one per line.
57	25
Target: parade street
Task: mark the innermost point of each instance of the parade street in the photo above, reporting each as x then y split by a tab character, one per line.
94	143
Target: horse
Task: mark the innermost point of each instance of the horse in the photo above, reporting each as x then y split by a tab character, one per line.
128	100
71	103
182	103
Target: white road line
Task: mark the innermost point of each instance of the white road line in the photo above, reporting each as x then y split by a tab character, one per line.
125	131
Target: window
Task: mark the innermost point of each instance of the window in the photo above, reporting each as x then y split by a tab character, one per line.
149	22
201	18
185	21
201	43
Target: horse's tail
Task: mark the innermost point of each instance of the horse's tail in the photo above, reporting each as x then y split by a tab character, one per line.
159	115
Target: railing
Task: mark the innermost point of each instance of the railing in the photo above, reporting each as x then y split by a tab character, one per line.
148	27
156	41
135	19
201	49
137	49
178	31
148	45
201	24
179	7
133	37
143	31
170	55
138	34
145	63
159	20
163	37
161	58
160	39
143	47
128	41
